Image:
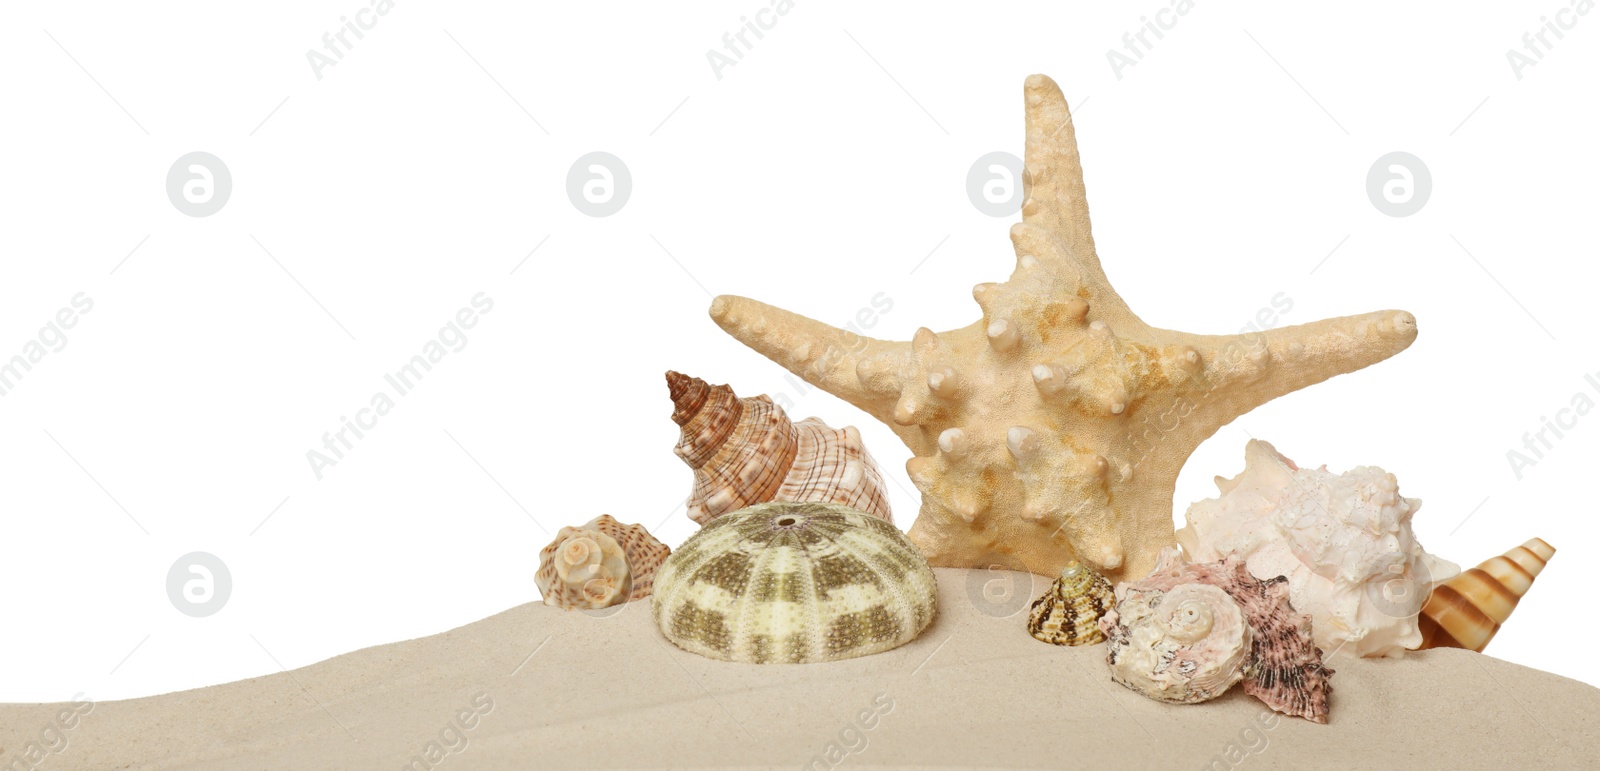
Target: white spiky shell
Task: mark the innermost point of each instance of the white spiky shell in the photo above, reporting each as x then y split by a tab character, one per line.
787	582
1343	540
746	451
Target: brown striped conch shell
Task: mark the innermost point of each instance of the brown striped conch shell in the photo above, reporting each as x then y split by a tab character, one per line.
1069	612
746	451
1284	666
1467	610
600	564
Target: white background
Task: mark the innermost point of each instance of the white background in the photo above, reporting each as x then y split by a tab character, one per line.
820	170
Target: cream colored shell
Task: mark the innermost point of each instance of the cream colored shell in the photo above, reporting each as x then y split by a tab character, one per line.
1344	541
599	564
1184	645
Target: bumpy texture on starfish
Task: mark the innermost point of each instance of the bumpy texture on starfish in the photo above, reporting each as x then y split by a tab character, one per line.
1054	428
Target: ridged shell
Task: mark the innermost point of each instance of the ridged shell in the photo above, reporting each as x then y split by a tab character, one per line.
1185	644
1466	611
746	451
1285	668
1344	541
1069	612
792	582
599	564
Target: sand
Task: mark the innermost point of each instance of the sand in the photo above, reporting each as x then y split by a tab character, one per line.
537	687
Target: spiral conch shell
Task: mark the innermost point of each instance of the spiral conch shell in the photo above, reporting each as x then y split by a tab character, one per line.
746	451
1466	611
1069	612
1146	636
1344	541
1183	645
600	564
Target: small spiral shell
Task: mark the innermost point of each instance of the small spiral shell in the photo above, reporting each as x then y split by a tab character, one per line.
1069	612
599	564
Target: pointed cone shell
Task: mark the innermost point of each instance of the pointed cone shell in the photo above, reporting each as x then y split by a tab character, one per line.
746	451
600	564
1466	611
1069	612
790	582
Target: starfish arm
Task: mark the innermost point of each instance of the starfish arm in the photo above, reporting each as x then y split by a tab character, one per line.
860	370
1266	365
1057	200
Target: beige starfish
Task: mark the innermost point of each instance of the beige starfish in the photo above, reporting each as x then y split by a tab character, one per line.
1054	428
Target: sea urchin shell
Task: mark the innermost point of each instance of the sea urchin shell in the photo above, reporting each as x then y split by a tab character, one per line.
791	582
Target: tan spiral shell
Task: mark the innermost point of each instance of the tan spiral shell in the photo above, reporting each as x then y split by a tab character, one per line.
746	451
599	564
1466	611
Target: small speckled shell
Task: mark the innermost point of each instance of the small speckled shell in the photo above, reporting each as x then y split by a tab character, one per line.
746	451
600	564
1069	612
792	582
1285	668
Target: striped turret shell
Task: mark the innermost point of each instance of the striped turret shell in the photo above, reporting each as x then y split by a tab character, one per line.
746	451
1466	611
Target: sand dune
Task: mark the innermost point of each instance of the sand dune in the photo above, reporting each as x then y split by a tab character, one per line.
536	687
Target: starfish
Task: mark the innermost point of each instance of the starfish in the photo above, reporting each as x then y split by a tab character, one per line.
1053	429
